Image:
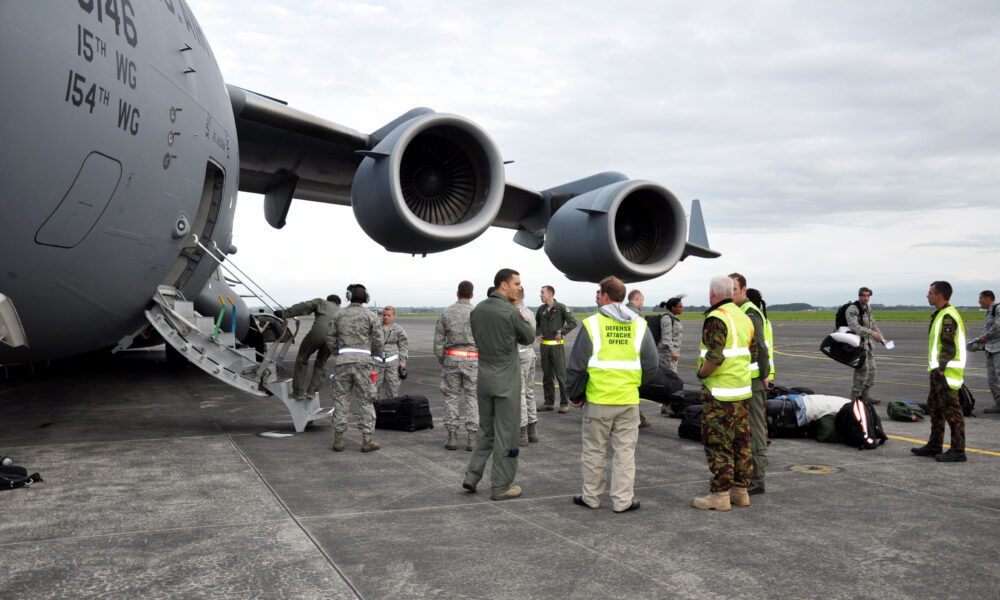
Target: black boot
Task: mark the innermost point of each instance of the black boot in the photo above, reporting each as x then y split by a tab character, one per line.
927	450
951	456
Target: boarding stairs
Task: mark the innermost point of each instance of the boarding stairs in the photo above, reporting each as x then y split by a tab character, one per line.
199	339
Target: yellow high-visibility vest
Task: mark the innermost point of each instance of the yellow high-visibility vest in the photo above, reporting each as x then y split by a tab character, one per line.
614	369
768	339
955	369
731	380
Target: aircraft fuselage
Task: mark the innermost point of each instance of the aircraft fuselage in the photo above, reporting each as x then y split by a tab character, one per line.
118	143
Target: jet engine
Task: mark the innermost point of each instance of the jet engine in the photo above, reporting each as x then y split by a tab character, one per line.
635	230
433	183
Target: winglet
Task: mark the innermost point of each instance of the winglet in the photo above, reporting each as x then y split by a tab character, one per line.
697	244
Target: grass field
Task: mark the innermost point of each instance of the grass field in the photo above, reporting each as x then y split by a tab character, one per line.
883	316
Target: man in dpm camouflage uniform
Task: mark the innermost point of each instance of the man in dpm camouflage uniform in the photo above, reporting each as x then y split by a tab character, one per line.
498	328
314	342
724	371
946	364
991	341
456	350
526	352
862	323
355	337
553	320
391	366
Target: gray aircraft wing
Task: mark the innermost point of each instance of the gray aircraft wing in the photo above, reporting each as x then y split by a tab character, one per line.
427	182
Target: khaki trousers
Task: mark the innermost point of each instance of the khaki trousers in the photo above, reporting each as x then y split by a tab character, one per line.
618	424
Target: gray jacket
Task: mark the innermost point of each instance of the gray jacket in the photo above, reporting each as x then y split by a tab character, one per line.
671	332
862	323
583	347
991	329
355	335
453	330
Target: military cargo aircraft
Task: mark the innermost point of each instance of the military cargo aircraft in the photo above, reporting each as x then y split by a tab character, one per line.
124	148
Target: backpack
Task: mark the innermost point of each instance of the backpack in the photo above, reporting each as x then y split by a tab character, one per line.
15	477
690	427
841	319
858	425
780	390
905	411
653	324
781	418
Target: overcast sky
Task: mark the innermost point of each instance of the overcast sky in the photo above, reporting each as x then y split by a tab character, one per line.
832	144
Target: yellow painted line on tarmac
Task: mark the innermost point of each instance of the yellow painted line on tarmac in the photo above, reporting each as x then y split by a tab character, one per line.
922	442
881	361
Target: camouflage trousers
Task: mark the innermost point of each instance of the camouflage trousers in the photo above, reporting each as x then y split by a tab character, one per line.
758	430
942	402
725	433
864	376
458	386
553	372
307	348
353	378
993	374
387	380
529	412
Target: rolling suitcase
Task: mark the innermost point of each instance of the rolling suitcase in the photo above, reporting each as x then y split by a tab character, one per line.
405	413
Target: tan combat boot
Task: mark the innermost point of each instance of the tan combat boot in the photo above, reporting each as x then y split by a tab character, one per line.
338	441
524	436
368	444
738	496
513	491
713	501
533	432
452	443
470	443
867	397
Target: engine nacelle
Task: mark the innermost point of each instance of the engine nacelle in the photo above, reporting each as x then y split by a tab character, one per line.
433	183
635	230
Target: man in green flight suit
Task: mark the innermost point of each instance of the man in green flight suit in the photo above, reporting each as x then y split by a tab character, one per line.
314	342
553	321
498	328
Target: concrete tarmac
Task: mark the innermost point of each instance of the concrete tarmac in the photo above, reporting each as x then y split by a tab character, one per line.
157	485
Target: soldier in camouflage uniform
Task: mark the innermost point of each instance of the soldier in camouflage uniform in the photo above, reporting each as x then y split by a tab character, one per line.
395	352
456	350
553	320
862	323
724	370
498	328
946	358
526	352
314	342
991	342
355	336
671	334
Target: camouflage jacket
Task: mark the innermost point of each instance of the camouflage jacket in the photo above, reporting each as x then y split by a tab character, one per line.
323	309
991	329
355	328
550	320
671	333
862	323
453	330
395	342
531	321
